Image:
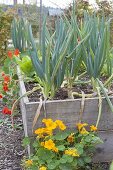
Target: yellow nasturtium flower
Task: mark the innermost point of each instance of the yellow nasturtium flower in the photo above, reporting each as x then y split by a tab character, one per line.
70	138
72	152
83	131
28	162
42	168
42	131
39	131
55	149
93	128
60	124
42	143
81	125
48	131
49	124
50	145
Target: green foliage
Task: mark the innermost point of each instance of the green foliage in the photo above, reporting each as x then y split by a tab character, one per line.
9	81
19	32
96	54
97	49
5	28
74	61
61	136
26	141
54	49
111	166
25	65
60	52
61	149
108	66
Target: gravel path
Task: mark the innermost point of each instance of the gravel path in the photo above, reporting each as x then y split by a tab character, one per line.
11	151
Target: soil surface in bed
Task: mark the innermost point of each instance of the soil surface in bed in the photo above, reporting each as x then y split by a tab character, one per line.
62	93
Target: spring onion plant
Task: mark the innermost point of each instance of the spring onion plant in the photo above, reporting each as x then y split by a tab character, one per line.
80	36
19	34
96	51
95	55
54	49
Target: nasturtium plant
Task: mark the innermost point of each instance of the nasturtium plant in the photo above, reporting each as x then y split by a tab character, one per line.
9	82
57	148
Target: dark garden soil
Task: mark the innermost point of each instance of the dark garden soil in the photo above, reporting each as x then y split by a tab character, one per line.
11	150
62	93
99	166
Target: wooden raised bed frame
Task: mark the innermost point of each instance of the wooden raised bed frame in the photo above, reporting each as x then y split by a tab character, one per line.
68	111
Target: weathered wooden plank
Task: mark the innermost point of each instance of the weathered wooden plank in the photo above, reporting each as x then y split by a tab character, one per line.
22	86
23	111
68	111
104	152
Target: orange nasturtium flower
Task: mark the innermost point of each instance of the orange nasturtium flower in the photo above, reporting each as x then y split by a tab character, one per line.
28	163
16	52
6	111
10	54
5	88
6	78
93	128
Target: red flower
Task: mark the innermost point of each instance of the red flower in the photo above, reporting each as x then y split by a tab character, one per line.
16	52
5	87
1	96
5	83
3	74
10	54
6	111
6	78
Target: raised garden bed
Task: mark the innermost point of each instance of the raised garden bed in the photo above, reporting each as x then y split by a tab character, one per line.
69	112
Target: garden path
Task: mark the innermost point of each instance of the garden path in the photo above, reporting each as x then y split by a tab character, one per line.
11	151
